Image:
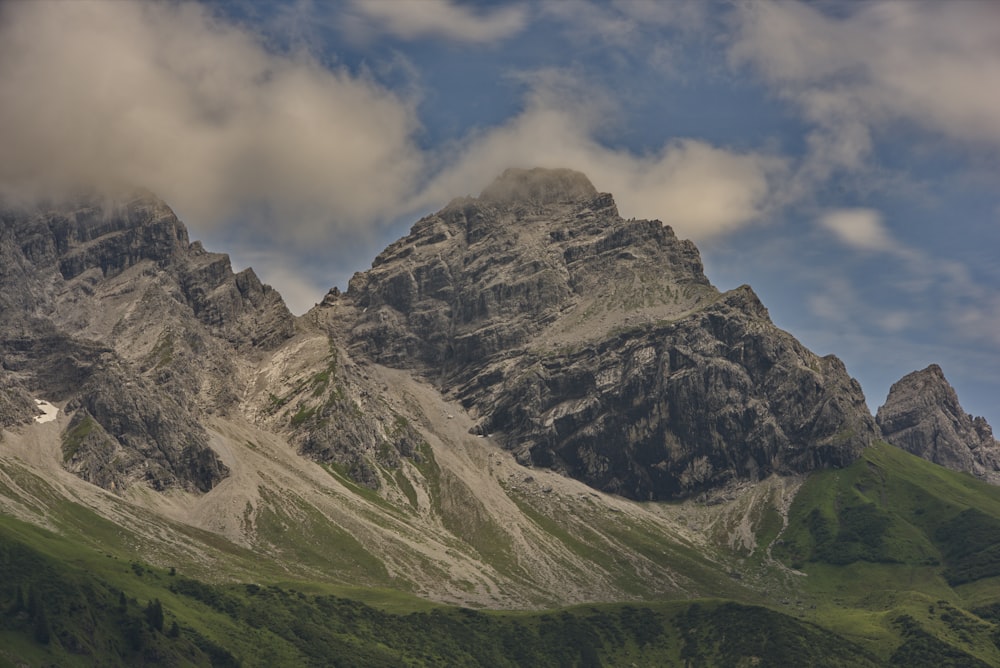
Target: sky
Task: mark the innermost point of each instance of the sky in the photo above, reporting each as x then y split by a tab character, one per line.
843	158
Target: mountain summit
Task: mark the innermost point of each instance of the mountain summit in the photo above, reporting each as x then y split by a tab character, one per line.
468	423
580	341
112	313
596	346
539	187
922	415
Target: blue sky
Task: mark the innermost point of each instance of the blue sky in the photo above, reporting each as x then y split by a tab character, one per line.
841	158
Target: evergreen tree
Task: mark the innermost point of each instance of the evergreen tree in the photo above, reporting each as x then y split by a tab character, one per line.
175	631
18	605
41	629
154	614
134	633
33	602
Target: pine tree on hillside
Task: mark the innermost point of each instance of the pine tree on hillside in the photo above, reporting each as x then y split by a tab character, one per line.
154	614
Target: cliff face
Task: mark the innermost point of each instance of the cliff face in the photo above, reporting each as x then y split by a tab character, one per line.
581	341
595	345
110	311
922	415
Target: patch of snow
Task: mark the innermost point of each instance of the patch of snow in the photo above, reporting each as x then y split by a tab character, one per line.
49	412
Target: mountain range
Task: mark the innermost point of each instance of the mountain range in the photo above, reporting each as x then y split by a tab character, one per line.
526	403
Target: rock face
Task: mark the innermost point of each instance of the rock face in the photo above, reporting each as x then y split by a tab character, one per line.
109	310
16	405
596	345
581	341
922	415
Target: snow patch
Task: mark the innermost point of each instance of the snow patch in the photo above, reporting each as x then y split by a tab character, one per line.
49	412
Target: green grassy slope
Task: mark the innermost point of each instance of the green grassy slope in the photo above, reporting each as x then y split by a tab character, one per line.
893	561
65	605
896	549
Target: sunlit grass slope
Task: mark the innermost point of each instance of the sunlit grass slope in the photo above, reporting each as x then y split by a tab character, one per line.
896	548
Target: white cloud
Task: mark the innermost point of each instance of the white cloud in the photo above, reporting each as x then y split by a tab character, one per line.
699	189
848	311
435	18
589	20
622	22
198	111
931	64
894	321
827	306
919	291
647	30
170	97
859	228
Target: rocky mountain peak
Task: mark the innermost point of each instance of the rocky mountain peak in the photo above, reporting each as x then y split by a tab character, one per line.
583	342
539	186
109	310
480	277
596	346
922	415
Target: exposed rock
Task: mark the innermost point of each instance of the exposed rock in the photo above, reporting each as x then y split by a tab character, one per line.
108	307
922	415
16	406
671	409
334	413
483	276
144	434
597	346
133	429
584	342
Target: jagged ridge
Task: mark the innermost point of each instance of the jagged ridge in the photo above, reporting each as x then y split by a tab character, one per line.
922	415
112	312
596	345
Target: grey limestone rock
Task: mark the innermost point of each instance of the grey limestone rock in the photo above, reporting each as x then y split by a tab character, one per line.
109	308
483	276
671	409
579	340
922	415
16	406
135	432
596	345
339	416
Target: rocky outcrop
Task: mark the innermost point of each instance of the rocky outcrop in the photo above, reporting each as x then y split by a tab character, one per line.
16	406
145	435
582	341
59	256
110	309
125	427
596	345
487	275
922	415
335	413
666	410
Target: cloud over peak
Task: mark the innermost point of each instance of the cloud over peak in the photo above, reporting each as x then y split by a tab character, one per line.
199	111
700	189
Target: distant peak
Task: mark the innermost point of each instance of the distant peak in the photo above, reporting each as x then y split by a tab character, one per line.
539	186
932	374
933	370
922	415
